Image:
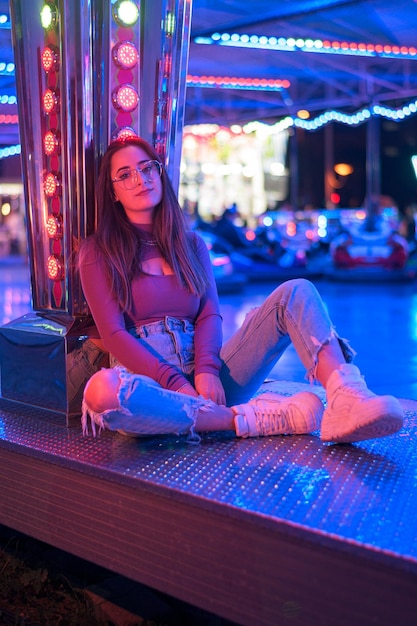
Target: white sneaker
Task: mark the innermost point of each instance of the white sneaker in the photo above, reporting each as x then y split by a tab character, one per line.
355	413
272	414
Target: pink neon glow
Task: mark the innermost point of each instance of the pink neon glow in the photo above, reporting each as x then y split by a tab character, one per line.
125	98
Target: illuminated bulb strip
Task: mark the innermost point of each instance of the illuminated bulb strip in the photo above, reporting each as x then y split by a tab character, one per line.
4	99
333	116
5	21
9	119
7	69
292	44
228	82
9	151
354	119
396	115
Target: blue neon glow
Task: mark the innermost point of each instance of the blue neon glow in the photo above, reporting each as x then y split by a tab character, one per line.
9	151
292	44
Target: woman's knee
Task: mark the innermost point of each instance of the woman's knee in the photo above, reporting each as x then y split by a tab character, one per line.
301	288
300	284
101	391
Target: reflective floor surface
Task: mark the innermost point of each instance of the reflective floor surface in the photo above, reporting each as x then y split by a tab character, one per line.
380	321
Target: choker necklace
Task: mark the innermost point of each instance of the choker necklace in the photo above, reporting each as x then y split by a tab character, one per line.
148	242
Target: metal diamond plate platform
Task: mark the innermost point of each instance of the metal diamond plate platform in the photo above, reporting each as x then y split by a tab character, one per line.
255	530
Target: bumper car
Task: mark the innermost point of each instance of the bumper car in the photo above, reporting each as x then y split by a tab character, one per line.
370	252
292	244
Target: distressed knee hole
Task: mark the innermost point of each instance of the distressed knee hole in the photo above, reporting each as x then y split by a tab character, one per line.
101	391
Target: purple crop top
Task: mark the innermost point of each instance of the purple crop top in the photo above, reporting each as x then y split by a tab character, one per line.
154	297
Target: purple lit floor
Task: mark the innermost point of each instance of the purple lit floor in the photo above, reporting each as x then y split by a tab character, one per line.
269	531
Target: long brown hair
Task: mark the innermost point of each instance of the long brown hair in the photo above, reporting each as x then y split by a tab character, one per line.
117	238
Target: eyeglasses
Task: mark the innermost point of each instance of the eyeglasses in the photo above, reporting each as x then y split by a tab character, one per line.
129	179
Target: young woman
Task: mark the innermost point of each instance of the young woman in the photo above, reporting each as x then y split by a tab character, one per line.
151	291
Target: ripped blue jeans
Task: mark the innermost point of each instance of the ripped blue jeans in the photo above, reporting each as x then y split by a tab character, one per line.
293	313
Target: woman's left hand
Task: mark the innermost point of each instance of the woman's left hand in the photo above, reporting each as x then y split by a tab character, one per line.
210	387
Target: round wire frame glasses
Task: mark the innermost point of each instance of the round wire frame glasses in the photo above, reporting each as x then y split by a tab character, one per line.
129	178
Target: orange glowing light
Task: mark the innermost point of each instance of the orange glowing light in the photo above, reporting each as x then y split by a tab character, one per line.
50	101
54	227
343	169
51	143
52	185
291	229
55	268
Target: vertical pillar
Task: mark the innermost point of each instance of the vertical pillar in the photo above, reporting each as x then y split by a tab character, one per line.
294	170
87	71
373	170
328	163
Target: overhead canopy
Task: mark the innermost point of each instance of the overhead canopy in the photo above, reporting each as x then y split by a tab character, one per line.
313	47
314	80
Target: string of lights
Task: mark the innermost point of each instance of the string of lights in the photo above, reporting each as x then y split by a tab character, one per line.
7	69
298	44
5	21
6	99
291	44
259	84
354	119
234	82
9	151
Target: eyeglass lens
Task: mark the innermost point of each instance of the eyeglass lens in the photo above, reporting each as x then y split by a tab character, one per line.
130	178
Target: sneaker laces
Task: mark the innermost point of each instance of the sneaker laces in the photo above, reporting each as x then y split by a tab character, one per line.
271	421
356	388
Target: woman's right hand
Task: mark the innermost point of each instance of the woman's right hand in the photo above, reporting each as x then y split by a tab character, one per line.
210	387
189	390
